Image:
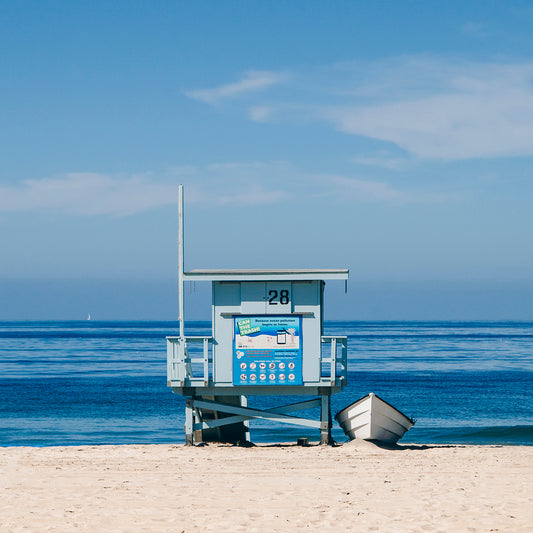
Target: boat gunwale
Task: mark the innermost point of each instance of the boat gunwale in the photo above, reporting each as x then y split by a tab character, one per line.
412	420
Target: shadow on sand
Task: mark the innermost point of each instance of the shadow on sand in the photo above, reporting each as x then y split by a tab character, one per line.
358	444
373	444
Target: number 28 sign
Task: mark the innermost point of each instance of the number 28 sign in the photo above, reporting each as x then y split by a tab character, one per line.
275	297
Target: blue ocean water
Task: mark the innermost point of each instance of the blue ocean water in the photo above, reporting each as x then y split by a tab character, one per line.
73	383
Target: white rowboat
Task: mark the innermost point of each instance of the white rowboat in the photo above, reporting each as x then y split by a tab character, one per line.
372	418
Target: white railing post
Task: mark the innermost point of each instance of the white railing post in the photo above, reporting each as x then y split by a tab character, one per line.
170	361
345	358
206	361
333	360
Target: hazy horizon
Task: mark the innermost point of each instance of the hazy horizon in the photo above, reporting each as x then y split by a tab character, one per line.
157	300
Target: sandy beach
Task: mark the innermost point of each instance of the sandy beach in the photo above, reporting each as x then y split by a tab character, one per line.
355	487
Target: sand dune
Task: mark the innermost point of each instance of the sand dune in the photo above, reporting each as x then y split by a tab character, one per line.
355	487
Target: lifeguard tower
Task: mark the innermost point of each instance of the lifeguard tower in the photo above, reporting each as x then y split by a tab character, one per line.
267	339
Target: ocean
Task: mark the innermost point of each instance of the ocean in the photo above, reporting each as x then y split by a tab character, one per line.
76	383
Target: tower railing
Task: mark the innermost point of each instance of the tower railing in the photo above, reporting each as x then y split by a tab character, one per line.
334	367
189	361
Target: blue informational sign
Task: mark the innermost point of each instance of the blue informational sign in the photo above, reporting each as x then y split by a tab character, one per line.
267	350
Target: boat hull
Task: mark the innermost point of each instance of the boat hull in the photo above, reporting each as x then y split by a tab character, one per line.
372	418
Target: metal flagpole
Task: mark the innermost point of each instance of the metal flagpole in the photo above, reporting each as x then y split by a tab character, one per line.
180	260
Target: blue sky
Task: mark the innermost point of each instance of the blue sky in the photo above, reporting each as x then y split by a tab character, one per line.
392	138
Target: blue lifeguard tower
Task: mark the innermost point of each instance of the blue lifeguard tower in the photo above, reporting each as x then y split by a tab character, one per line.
267	339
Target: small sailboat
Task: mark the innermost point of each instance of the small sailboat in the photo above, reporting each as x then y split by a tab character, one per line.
89	316
372	418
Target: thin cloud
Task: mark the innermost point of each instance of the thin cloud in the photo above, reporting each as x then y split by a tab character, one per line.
93	194
455	126
455	112
260	113
369	190
382	159
231	184
87	194
430	107
240	183
254	80
250	194
215	185
360	190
